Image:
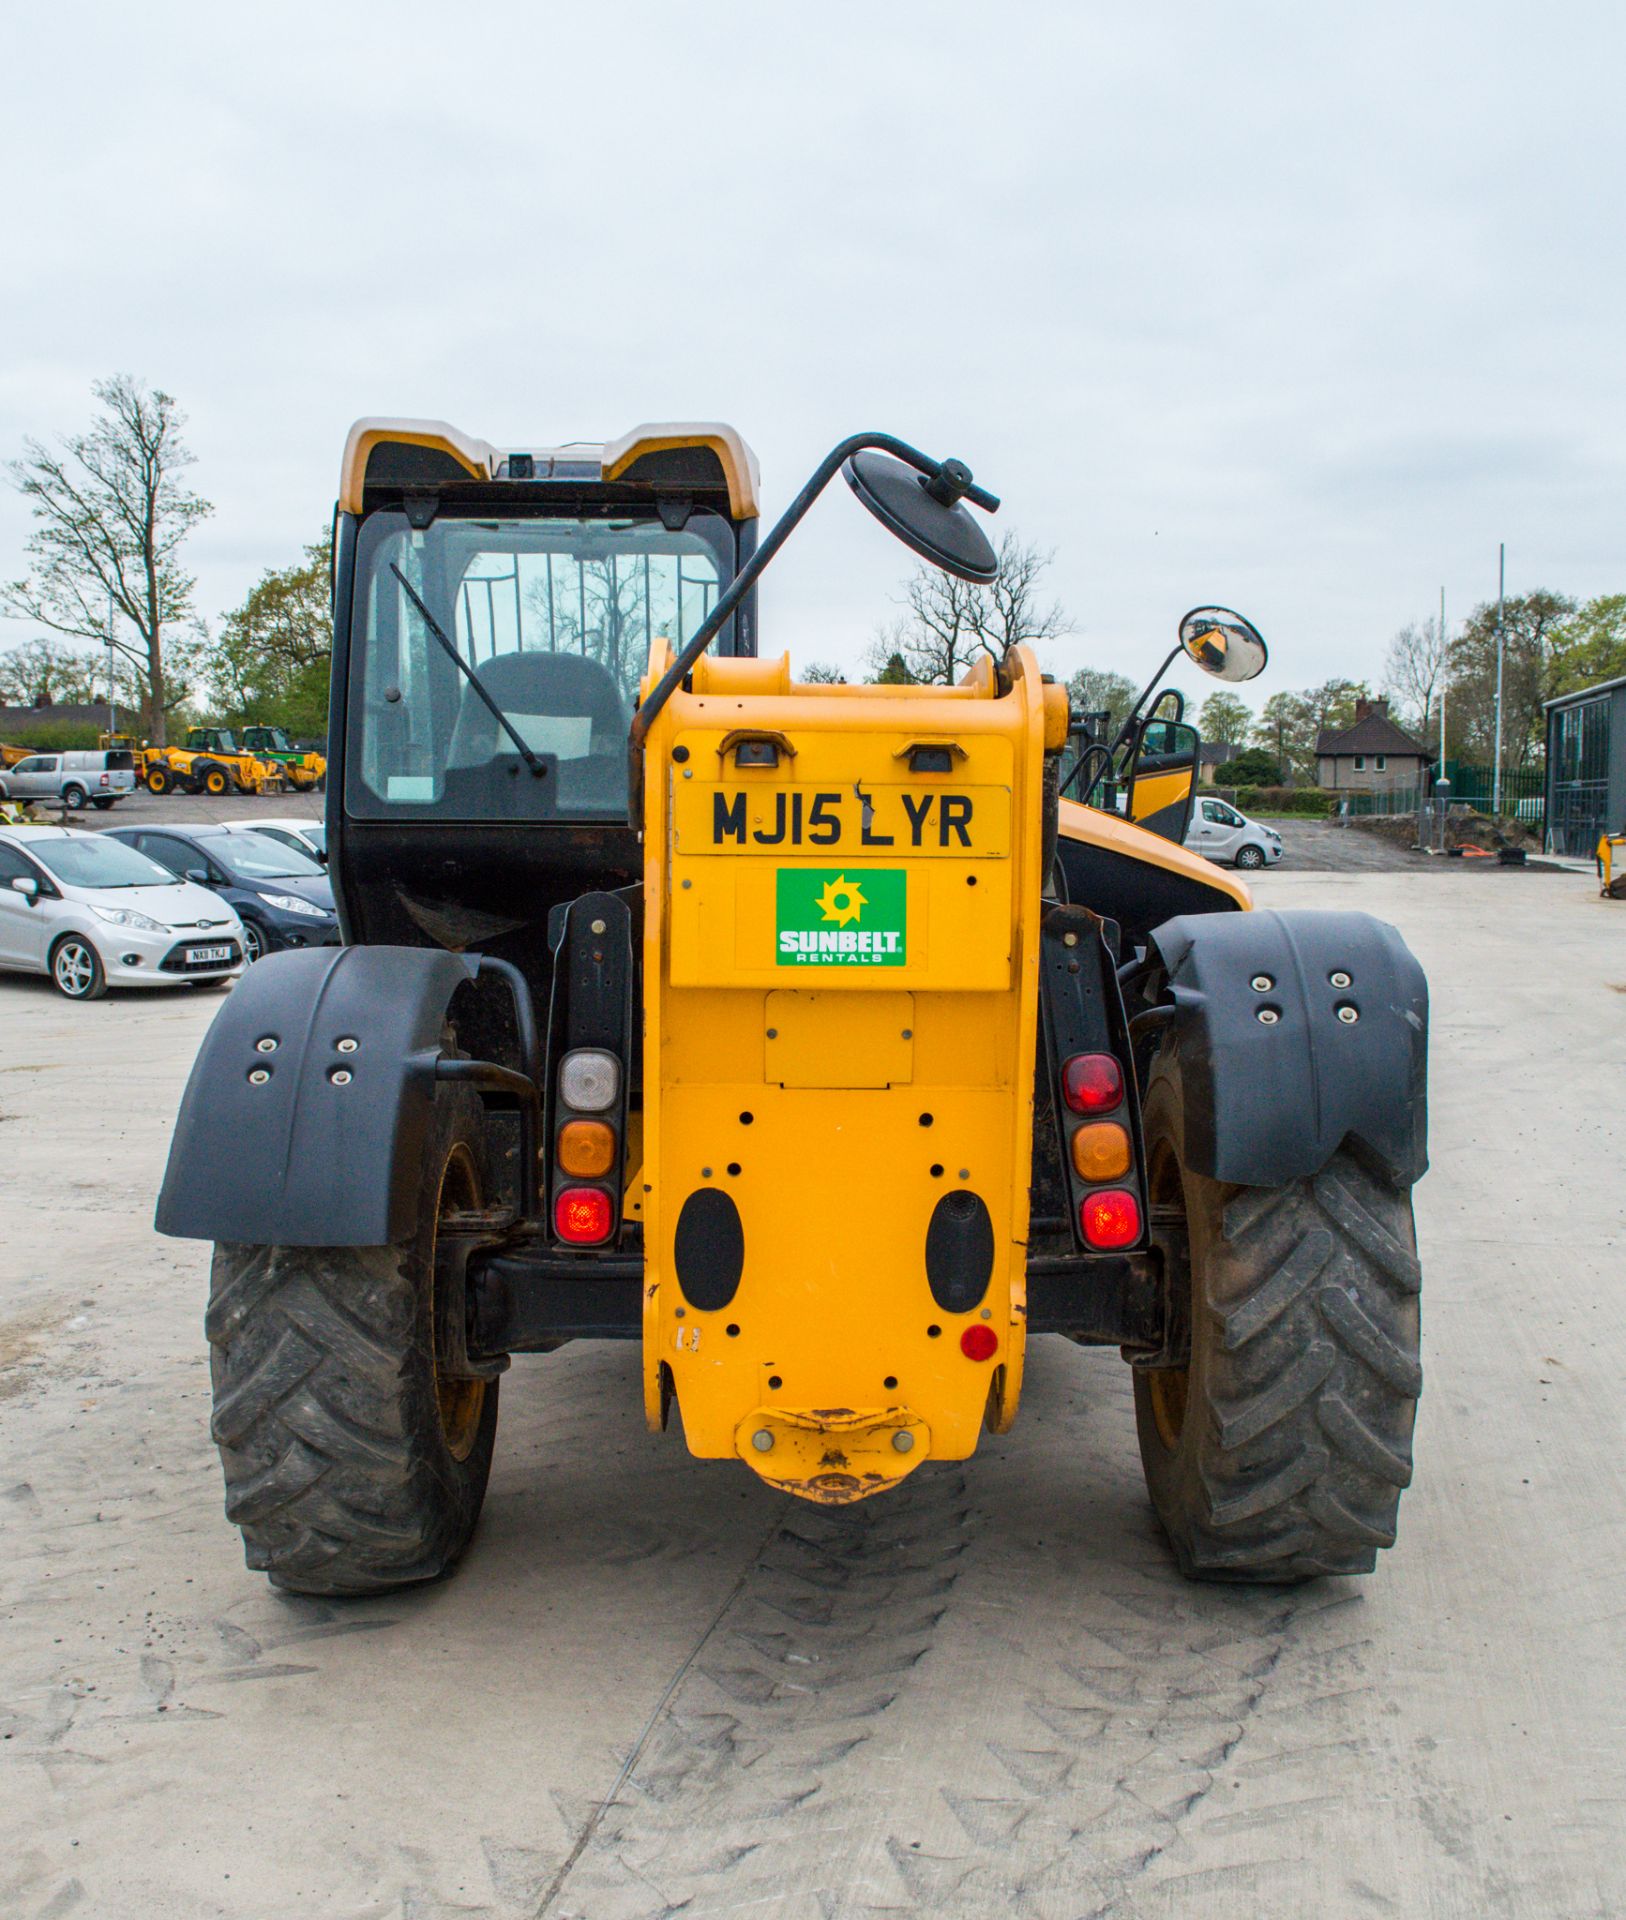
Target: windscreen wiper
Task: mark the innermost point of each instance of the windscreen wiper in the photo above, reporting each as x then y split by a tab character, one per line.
536	766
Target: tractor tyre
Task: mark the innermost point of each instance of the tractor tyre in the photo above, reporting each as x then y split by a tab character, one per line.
216	780
351	1465
159	780
1279	1453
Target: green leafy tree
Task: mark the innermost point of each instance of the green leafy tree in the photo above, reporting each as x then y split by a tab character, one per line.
110	516
1532	625
1225	718
1100	690
1255	768
1589	646
1283	730
274	654
893	672
1289	723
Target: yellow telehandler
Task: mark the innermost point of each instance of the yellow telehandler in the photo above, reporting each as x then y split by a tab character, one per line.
831	1042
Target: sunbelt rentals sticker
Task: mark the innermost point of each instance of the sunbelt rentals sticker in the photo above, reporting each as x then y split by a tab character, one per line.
827	918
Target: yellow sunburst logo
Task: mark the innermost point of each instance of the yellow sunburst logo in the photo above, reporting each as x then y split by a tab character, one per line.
841	900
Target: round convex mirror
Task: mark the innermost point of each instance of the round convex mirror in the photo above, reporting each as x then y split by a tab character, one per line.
905	504
1223	643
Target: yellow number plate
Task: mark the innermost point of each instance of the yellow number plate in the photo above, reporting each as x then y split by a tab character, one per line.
877	821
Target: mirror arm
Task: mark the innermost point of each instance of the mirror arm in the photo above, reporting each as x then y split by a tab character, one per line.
1127	729
752	571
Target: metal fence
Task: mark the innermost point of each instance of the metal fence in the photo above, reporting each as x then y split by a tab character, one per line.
1524	790
1523	794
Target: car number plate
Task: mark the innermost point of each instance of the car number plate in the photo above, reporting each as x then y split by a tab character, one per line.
200	956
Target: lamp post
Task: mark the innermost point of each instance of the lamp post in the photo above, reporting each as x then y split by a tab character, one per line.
1501	601
1445	675
112	695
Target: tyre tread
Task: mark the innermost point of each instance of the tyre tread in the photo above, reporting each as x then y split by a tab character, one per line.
329	1436
1298	1435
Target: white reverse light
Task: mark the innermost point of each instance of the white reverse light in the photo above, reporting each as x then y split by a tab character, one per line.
589	1081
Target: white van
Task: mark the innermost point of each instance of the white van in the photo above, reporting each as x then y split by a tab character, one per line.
89	776
1219	832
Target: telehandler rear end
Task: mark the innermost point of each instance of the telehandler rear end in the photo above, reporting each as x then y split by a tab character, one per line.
831	1042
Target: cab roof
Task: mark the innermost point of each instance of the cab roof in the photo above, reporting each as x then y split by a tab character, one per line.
684	456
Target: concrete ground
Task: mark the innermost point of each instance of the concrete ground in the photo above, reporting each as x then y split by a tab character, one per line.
143	809
656	1688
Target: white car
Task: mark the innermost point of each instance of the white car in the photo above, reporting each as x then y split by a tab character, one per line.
309	836
92	913
1219	832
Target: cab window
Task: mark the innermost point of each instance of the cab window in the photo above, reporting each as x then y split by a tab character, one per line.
554	617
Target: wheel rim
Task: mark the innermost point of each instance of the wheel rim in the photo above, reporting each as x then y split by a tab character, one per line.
253	945
215	783
459	1403
1250	857
75	969
74	799
1168	1388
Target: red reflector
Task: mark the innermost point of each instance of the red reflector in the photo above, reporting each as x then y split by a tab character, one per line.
1110	1219
583	1215
979	1342
1092	1083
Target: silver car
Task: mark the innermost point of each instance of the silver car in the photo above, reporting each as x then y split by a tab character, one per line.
309	836
1219	832
92	913
96	777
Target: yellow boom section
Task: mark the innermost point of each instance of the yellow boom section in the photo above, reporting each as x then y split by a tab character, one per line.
840	964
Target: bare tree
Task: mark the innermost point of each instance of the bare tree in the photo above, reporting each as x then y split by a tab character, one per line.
1415	670
44	672
947	621
818	673
110	516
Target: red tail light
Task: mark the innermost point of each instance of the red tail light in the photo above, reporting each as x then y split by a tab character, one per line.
1110	1218
1092	1083
583	1215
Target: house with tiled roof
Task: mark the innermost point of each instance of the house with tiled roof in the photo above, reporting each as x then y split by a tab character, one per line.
1373	755
53	713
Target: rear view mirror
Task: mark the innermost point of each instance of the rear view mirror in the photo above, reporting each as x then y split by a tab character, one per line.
1163	778
925	511
1223	643
27	887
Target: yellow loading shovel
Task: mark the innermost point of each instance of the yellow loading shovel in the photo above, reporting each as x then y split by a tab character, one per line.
841	964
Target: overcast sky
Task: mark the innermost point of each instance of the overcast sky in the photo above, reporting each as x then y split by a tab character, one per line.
1297	308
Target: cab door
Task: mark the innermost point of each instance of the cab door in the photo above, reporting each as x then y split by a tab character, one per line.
36	778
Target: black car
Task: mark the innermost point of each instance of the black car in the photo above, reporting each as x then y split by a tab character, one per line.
282	896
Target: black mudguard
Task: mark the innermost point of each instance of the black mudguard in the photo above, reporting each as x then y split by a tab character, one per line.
298	1159
1270	1101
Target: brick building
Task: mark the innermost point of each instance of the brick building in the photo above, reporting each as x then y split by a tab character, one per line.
1374	755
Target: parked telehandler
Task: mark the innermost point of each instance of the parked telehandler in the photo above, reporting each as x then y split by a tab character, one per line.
212	762
303	768
809	1035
